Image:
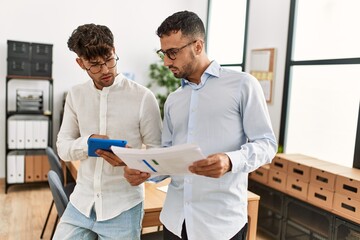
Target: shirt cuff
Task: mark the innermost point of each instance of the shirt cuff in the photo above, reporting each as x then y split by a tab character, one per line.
84	143
237	161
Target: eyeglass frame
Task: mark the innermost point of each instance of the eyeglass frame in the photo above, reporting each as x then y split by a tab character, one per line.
161	53
102	64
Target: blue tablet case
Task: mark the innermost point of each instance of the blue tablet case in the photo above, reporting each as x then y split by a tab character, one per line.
104	144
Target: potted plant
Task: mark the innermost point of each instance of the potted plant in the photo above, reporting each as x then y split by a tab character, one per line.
162	77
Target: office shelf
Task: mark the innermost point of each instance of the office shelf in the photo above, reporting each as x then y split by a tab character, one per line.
305	216
345	230
269	222
294	231
282	216
270	199
30	162
271	208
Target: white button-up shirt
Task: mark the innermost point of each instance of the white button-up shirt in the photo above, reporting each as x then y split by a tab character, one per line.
227	113
125	110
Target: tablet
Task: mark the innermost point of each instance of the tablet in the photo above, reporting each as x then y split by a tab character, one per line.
103	144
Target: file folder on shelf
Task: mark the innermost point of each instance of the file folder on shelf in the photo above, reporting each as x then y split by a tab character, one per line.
20	167
20	134
29	134
37	166
11	167
11	133
45	167
29	168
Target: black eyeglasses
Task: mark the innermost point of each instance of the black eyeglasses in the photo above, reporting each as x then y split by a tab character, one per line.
110	63
171	53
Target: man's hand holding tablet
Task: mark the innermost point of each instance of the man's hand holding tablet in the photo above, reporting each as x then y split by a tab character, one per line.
99	146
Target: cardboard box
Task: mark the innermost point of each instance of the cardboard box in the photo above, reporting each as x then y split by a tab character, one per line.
300	167
299	171
296	188
277	179
320	196
348	183
325	175
261	174
346	207
279	163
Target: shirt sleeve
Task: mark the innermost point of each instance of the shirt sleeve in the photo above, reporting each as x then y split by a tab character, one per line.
261	146
69	144
150	121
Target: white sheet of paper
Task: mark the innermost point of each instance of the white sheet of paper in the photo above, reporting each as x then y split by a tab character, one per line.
163	188
173	160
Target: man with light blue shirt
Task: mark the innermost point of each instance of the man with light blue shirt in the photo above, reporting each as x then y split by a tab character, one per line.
225	113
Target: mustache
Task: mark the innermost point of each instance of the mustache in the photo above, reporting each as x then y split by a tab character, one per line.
107	75
172	67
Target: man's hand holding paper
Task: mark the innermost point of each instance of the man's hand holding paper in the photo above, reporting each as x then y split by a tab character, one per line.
134	176
215	165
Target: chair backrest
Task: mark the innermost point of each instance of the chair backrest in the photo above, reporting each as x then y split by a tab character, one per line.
58	193
54	162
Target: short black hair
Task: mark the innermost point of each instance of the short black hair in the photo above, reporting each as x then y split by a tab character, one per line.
90	41
187	22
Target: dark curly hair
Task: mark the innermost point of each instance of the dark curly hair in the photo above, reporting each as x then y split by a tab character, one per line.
90	41
187	22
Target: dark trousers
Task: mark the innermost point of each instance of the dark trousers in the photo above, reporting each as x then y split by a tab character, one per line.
241	235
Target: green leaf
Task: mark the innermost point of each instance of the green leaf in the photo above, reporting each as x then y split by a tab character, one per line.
161	76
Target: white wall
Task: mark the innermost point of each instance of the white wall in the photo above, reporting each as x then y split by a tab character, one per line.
268	27
133	24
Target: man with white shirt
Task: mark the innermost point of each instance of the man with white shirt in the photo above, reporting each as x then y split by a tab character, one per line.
104	205
225	113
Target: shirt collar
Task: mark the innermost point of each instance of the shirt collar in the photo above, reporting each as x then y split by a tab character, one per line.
212	70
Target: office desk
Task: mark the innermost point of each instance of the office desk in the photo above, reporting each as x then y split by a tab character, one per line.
154	199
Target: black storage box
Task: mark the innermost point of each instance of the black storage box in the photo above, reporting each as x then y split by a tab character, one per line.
41	68
17	49
18	66
29	59
41	52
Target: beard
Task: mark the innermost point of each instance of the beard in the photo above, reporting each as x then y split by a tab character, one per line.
186	70
105	80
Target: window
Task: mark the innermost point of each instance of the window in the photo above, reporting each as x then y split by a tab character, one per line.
226	32
322	84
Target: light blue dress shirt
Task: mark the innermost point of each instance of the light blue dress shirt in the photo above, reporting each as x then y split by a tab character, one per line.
226	112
